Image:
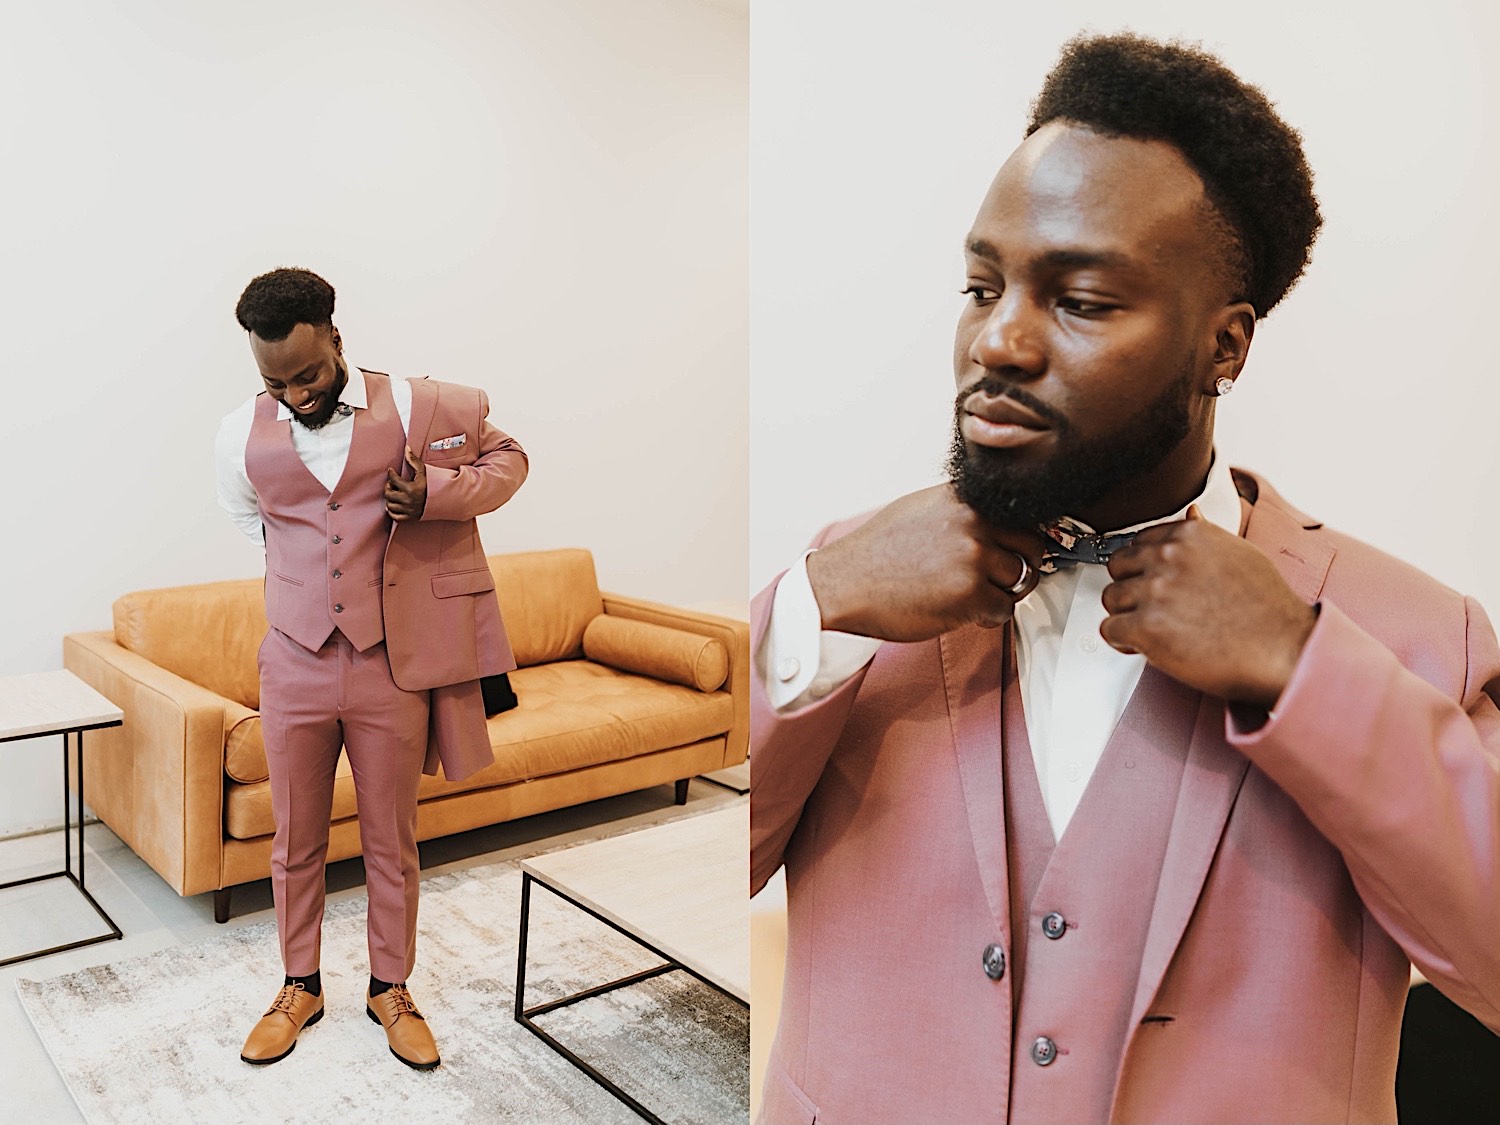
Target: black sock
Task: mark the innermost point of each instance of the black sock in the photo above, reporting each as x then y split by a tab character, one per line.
313	984
377	986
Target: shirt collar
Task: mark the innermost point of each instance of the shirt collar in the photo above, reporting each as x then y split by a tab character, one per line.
353	394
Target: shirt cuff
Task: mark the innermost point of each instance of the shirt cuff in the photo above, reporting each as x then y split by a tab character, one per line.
800	661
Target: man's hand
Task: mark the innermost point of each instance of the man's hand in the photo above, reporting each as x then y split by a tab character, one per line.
1208	609
922	566
405	499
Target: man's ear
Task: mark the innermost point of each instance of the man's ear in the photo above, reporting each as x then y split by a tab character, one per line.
1234	328
338	341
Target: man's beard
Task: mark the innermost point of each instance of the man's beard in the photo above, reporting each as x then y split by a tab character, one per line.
324	413
1007	492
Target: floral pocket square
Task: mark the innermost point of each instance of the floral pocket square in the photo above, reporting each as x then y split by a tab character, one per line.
448	442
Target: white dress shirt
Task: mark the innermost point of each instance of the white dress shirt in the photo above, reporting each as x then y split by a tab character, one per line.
1074	687
325	451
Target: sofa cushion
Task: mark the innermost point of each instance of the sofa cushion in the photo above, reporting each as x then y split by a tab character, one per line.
576	713
247	808
547	599
573	714
208	634
667	654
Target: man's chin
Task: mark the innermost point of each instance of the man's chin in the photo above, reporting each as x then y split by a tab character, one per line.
1004	487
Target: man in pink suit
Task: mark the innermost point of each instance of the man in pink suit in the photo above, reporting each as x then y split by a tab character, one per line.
1108	785
364	490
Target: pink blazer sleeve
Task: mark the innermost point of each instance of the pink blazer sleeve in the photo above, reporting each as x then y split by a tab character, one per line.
468	490
787	752
1405	782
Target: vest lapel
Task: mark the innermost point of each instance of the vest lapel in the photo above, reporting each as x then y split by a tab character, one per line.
971	678
358	436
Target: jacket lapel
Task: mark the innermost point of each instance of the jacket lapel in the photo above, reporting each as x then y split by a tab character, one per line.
972	665
423	405
1214	771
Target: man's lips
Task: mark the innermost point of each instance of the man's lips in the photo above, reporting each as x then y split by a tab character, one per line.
1004	412
1001	423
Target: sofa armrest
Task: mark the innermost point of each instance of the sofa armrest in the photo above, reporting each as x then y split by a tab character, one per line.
158	781
735	636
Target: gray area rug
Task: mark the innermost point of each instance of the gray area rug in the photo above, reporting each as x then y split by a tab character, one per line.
155	1040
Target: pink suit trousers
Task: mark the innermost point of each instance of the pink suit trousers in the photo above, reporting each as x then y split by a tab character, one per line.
311	704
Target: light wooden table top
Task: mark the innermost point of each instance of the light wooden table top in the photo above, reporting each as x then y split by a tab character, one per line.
49	703
683	887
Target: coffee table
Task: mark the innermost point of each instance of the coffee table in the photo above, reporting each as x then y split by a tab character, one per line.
679	890
48	703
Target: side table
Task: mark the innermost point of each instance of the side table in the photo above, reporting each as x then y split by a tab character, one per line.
48	703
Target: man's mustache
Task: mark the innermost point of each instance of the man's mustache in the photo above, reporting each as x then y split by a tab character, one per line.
993	387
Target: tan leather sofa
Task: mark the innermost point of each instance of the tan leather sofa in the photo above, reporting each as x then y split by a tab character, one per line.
616	694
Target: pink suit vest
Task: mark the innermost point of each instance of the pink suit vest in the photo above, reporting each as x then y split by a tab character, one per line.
325	552
1080	907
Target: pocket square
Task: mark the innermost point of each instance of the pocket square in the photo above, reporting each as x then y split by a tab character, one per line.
448	442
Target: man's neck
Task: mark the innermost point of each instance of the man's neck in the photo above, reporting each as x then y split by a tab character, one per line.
1170	487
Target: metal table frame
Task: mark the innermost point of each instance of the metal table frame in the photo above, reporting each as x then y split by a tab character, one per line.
67	869
524	1014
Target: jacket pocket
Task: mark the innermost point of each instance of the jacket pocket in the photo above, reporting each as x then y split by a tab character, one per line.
782	1101
284	578
476	581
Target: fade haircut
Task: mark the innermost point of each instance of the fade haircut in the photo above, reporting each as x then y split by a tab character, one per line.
276	302
1254	173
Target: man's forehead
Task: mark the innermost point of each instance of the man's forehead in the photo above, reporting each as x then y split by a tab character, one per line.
1070	186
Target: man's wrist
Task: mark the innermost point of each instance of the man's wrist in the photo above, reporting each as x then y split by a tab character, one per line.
1269	693
825	592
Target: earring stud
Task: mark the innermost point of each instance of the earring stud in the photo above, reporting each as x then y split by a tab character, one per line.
1224	385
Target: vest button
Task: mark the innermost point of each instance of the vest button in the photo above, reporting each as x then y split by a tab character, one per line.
1044	1052
338	608
994	962
334	505
338	538
338	574
1054	925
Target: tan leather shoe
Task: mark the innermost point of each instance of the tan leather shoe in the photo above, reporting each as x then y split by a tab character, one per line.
405	1029
275	1035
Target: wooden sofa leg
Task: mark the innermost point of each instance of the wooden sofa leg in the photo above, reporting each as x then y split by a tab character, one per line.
221	904
682	787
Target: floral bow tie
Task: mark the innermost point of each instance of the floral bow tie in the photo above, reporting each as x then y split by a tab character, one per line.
1076	544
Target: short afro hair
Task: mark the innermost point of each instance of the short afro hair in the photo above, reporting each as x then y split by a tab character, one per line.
276	302
1251	161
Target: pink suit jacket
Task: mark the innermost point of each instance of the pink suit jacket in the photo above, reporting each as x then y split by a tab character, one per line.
442	622
1307	861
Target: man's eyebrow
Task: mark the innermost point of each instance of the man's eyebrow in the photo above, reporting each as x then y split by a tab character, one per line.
1086	259
1062	258
981	249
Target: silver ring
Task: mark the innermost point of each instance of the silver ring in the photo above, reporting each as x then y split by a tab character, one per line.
1019	587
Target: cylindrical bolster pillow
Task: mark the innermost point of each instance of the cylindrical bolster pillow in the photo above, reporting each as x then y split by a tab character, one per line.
244	746
656	651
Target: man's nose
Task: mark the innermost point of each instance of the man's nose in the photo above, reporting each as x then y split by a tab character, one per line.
1010	337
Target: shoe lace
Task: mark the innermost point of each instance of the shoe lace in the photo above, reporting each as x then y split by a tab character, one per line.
401	1003
286	998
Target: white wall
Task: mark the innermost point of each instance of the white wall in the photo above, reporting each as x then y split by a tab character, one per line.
548	200
1371	397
